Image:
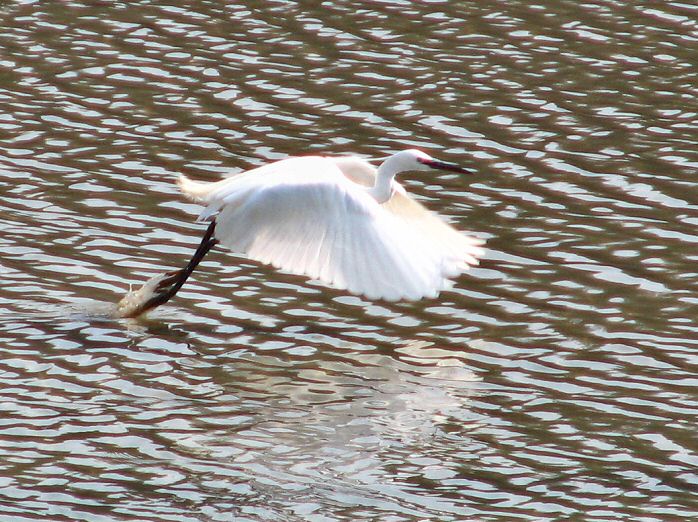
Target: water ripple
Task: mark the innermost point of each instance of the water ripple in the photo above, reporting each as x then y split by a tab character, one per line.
556	380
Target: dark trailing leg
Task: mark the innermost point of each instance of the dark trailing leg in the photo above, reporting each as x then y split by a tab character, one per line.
162	288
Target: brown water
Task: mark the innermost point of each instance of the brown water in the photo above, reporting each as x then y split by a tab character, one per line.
556	382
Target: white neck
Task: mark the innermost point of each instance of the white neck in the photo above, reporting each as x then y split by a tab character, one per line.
383	189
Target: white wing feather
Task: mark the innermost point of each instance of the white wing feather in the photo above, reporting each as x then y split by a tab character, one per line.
419	219
306	216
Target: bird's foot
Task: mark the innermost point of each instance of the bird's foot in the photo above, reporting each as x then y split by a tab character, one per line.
156	291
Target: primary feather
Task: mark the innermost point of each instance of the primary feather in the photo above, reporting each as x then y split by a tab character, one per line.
314	216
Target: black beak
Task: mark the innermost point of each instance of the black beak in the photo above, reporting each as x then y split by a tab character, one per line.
443	165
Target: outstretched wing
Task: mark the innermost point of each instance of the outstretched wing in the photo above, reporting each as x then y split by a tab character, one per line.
434	231
305	217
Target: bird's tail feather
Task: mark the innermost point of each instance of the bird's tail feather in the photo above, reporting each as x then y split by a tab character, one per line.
195	190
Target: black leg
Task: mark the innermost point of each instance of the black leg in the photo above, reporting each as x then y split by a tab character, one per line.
162	288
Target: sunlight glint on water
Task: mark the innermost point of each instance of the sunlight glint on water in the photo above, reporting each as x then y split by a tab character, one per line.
556	381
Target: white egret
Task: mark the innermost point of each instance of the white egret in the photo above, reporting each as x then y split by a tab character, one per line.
336	220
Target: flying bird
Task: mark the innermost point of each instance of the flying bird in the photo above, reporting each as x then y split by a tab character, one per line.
338	220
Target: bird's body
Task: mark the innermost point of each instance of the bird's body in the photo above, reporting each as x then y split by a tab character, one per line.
339	221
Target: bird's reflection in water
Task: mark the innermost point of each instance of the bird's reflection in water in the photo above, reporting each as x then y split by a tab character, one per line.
350	418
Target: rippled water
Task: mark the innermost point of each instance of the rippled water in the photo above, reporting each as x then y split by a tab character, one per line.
557	382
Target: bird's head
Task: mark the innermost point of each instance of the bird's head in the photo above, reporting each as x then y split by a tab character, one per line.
406	160
422	161
413	159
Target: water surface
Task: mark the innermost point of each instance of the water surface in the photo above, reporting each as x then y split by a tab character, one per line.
556	382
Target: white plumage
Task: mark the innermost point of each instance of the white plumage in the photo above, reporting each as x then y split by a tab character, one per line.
340	221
